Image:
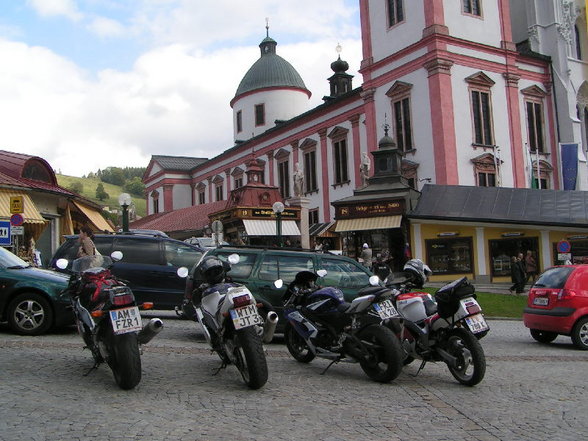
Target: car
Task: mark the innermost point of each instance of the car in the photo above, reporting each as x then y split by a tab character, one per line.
558	305
32	300
260	267
149	264
204	242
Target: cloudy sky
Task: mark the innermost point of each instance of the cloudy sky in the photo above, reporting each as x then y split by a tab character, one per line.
88	84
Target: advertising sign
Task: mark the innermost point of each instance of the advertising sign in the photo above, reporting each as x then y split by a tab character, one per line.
5	233
16	204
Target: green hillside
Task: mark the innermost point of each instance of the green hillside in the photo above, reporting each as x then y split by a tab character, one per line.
89	191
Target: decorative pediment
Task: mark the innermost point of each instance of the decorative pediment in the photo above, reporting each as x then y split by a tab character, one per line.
480	79
399	88
307	144
237	171
218	179
534	91
484	159
282	154
201	186
338	132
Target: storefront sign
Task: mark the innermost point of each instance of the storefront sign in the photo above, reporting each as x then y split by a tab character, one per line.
16	204
512	234
448	234
268	213
371	209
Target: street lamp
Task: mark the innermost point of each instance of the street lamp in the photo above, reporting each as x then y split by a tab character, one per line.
124	200
278	208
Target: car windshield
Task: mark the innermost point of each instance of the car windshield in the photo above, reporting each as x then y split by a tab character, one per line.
554	278
9	260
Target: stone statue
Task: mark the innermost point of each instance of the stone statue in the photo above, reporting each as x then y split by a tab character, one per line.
298	181
364	169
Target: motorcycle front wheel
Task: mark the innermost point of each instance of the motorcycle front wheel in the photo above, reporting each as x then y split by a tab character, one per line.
471	362
250	358
385	356
124	359
297	346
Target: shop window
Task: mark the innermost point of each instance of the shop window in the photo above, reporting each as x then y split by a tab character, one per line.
472	7
450	256
395	12
503	250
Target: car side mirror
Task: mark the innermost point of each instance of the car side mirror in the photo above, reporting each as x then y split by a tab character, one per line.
61	263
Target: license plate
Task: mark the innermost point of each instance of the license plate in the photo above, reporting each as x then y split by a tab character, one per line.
541	301
126	320
245	316
476	323
386	309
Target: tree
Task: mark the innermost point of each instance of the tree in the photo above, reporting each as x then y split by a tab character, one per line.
134	186
76	187
100	193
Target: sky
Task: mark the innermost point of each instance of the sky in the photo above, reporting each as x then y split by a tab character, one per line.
88	84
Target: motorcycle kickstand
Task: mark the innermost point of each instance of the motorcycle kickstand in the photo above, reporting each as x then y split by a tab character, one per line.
336	360
423	363
93	368
217	370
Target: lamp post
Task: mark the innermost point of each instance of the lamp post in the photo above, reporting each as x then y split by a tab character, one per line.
124	201
278	208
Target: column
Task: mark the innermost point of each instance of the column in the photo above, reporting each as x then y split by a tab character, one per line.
356	156
325	189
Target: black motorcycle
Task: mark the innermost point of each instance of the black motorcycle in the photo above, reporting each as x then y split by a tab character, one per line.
321	324
108	317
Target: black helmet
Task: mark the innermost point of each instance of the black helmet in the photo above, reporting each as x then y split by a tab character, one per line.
211	270
418	271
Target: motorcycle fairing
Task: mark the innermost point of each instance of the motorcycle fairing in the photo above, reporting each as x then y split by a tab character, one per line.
302	325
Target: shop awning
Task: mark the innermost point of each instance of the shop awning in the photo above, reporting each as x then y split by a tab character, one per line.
255	227
31	215
368	223
321	229
94	217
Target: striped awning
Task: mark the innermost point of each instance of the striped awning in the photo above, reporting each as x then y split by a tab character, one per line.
320	229
94	217
255	227
368	223
31	215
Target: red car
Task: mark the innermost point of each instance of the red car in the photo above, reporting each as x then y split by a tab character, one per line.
558	304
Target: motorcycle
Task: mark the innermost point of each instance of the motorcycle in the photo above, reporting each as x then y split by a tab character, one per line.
230	320
445	327
321	324
108	318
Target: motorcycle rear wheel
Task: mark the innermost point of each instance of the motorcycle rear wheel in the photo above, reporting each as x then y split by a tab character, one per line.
471	361
384	362
125	360
297	346
250	358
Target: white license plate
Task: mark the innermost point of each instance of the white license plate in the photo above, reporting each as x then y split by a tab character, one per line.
541	301
476	323
126	320
386	309
245	316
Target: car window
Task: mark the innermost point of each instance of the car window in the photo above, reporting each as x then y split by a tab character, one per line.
178	254
275	267
343	274
7	259
554	278
243	269
143	250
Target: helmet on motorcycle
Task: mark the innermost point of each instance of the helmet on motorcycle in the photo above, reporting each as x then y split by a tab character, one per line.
212	270
418	271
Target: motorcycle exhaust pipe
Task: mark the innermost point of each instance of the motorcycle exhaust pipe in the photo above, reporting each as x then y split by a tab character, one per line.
269	327
150	330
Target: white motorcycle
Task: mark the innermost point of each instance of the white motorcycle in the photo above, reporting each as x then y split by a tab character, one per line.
229	317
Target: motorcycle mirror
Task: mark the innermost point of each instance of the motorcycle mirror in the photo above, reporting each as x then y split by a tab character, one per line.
321	273
116	255
61	263
374	280
279	283
233	259
182	272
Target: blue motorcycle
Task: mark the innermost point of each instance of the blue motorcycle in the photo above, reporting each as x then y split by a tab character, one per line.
322	324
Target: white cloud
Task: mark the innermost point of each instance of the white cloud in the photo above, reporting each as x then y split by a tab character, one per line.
52	8
106	27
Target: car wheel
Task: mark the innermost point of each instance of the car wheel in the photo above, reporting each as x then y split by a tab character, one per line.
543	336
580	334
30	314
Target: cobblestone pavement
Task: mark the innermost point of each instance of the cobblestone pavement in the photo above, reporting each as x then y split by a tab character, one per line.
530	392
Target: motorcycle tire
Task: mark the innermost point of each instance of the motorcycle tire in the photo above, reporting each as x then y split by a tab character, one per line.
250	358
297	346
471	361
384	362
124	359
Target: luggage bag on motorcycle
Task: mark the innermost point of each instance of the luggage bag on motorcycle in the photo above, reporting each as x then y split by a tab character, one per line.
448	297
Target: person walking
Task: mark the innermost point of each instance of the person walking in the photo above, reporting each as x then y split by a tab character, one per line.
366	256
517	275
530	267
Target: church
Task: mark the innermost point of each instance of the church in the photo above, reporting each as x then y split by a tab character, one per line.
464	144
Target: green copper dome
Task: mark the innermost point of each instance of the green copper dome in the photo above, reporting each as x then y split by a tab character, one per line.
270	70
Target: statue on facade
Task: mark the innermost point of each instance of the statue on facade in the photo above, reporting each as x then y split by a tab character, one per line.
364	169
298	181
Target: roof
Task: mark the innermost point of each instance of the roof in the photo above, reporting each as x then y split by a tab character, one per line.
499	204
180	163
183	219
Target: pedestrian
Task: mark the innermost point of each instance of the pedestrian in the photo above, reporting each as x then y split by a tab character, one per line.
87	247
366	255
523	272
517	275
318	246
530	267
381	268
326	245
